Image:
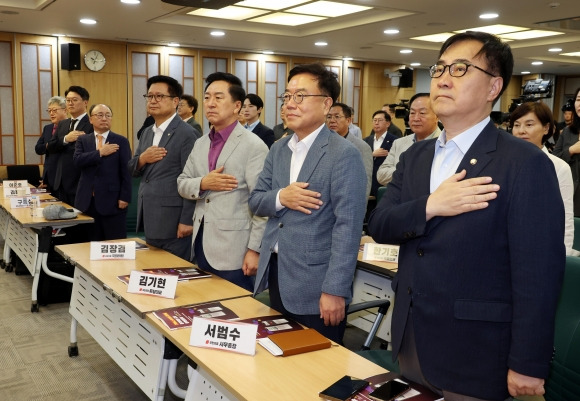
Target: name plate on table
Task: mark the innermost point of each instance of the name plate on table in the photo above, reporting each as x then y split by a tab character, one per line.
15	188
20	202
160	285
228	336
112	250
381	252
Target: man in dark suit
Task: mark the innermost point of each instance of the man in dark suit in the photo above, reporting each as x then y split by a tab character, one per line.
313	191
380	143
480	221
66	176
57	112
251	110
186	108
159	159
104	190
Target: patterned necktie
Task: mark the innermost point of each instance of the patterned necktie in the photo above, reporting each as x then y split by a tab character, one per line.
54	127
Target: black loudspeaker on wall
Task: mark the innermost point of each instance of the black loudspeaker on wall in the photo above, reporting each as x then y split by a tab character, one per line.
406	79
70	56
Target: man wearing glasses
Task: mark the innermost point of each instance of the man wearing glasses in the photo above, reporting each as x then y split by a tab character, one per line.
480	220
313	190
160	157
104	190
66	176
380	144
339	119
57	112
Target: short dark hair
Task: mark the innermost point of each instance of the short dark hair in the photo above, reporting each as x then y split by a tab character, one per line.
498	55
327	80
191	101
541	110
173	87
235	90
418	95
346	110
384	113
95	105
255	100
82	92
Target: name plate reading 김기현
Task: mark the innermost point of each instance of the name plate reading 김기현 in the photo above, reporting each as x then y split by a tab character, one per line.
15	188
220	334
112	250
160	285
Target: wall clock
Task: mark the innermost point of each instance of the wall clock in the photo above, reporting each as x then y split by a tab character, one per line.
95	60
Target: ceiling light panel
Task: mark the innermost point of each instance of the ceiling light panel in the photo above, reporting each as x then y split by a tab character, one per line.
287	19
435	38
328	9
271	4
573	54
230	12
531	34
497	29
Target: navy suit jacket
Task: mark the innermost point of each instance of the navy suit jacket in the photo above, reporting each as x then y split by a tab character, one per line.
50	160
266	134
66	176
377	161
107	177
160	208
483	284
316	252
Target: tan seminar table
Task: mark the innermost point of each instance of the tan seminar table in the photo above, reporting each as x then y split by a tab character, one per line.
223	375
29	237
115	318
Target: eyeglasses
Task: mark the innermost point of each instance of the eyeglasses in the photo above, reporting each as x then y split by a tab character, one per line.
50	111
101	116
378	120
157	98
298	97
455	70
335	117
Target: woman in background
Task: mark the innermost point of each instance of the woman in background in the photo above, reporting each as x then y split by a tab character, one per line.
533	122
568	149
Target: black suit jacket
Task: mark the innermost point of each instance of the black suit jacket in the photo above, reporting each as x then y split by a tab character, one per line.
266	134
483	284
67	175
377	161
50	160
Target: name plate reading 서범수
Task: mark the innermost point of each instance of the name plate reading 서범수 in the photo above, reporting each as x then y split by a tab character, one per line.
112	250
15	188
20	202
381	252
160	285
228	336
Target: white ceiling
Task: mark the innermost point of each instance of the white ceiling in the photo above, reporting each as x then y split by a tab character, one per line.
359	36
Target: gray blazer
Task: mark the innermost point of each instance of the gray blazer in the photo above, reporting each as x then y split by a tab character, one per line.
367	157
316	252
158	195
230	228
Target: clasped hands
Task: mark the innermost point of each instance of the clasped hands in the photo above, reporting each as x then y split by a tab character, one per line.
456	196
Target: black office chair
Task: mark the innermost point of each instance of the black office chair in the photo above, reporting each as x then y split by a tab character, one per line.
564	381
28	172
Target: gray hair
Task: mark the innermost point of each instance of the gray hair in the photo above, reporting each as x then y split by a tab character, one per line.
59	100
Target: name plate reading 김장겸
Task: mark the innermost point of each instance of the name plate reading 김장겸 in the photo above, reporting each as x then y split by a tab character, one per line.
112	250
381	252
220	334
160	285
15	188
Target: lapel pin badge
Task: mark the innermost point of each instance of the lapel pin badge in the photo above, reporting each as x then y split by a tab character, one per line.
473	162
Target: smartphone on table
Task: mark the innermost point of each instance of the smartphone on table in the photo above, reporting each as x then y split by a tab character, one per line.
389	391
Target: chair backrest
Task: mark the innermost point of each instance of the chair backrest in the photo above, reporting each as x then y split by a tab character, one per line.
564	381
576	243
28	172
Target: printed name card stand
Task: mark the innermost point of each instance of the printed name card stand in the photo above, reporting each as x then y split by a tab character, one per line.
15	188
224	335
